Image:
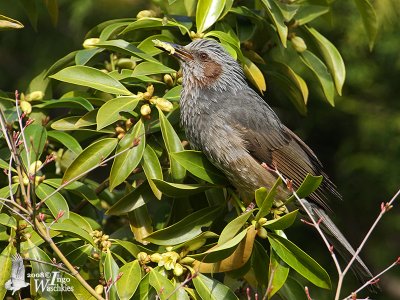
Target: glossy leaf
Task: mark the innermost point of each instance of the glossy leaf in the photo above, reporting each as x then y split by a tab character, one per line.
5	165
292	289
152	169
282	222
150	68
83	56
154	23
179	189
35	136
79	291
8	221
133	200
91	77
307	13
174	94
131	277
91	157
7	23
132	248
233	227
55	203
322	74
221	250
260	265
268	201
254	74
173	144
369	18
73	102
70	228
185	229
140	224
211	289
164	288
197	164
126	162
299	261
277	19
235	261
308	186
78	256
111	271
279	272
66	139
207	13
332	58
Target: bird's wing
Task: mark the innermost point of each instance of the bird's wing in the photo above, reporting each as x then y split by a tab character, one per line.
269	141
18	270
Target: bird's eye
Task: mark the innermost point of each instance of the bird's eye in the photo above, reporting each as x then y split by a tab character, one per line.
203	55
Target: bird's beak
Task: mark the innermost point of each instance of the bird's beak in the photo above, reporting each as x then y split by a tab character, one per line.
175	50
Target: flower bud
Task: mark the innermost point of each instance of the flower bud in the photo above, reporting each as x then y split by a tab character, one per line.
36	95
262	221
155	257
187	260
262	233
26	107
90	43
142	257
34	167
196	244
178	269
99	289
299	44
119	129
147	13
164	104
128	124
168	80
126	63
145	110
150	89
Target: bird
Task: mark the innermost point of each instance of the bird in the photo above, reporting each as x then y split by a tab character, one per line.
240	134
17	280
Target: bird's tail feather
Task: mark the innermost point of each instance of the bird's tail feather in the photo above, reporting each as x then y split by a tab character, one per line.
339	242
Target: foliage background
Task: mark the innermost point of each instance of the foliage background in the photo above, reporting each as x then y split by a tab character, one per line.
358	141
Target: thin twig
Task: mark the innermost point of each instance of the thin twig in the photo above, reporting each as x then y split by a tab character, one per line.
58	266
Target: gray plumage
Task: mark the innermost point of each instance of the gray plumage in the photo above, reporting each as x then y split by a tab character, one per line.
238	131
17	279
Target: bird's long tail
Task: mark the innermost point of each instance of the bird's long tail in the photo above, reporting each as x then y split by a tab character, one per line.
339	242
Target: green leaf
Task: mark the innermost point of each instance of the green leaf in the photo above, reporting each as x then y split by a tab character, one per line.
279	272
268	201
185	229
126	48
164	288
290	84
68	227
79	291
207	13
254	74
307	13
111	272
152	169
35	136
322	74
129	246
66	139
300	261
332	58
222	250
140	223
283	222
226	37
6	264
212	289
260	264
8	221
292	289
5	165
197	164
154	23
133	200
180	189
147	44
308	186
277	19
174	94
233	227
55	203
83	56
78	256
150	68
7	23
70	102
369	18
125	163
91	157
173	144
131	277
91	77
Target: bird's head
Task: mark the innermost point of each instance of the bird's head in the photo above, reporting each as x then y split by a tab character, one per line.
206	65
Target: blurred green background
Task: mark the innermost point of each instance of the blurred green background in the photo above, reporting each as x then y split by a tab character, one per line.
358	141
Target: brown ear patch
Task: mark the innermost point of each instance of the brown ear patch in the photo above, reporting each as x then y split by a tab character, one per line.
212	69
